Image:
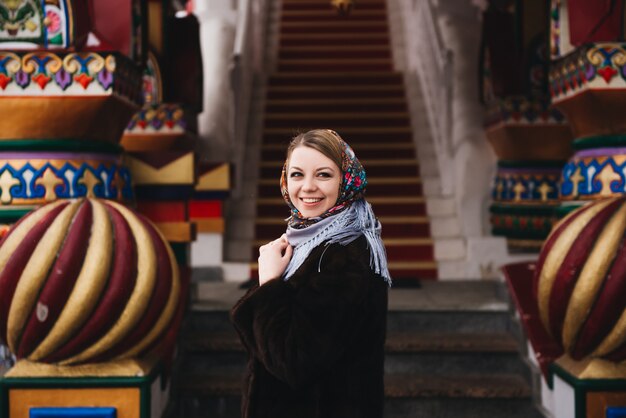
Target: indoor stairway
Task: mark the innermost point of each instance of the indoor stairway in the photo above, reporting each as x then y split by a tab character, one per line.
451	352
337	72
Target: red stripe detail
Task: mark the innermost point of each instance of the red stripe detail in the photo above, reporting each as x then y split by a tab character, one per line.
167	343
12	271
163	211
157	302
607	308
61	280
116	293
547	247
205	209
15	225
572	265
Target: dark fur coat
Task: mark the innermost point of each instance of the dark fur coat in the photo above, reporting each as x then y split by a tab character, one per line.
315	342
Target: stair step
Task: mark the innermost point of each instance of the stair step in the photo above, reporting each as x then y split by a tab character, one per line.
303	5
336	92
334	26
328	14
388	105
377	78
397	342
335	64
334	52
363	150
479	386
314	38
344	119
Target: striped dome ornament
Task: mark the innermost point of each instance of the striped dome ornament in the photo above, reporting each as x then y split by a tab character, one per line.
580	281
85	281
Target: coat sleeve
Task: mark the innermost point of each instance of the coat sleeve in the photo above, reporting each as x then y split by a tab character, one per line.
299	332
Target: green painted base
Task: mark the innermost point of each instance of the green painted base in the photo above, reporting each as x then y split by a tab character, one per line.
66	145
181	252
592	396
130	396
602	141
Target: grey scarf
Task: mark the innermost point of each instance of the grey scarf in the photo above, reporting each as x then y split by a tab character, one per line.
343	228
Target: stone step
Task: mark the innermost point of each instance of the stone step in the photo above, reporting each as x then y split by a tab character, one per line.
378	105
407	395
334	26
343	119
406	352
323	38
335	52
376	78
360	91
335	64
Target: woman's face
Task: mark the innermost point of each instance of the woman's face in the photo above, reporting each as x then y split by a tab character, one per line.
313	181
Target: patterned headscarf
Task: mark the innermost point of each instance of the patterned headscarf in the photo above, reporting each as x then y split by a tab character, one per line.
353	184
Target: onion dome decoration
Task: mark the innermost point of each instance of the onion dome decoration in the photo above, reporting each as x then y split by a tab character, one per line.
85	281
580	281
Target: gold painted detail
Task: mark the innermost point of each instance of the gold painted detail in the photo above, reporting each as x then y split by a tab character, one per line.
6	182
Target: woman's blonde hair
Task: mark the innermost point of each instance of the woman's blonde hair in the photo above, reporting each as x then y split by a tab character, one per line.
323	140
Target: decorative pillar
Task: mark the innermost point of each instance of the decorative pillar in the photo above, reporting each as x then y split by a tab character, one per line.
530	137
574	317
90	294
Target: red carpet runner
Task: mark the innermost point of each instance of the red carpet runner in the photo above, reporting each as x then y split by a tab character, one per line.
337	72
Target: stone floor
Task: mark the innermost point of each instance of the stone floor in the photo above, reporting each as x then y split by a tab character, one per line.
431	296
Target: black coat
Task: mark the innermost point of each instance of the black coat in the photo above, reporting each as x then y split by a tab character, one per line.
316	341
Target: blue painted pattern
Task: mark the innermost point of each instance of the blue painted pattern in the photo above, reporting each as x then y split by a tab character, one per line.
616	412
65	412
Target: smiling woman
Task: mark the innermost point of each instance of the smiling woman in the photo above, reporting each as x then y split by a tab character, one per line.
314	327
313	181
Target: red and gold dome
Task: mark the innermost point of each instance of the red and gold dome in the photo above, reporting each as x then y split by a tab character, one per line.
85	281
580	281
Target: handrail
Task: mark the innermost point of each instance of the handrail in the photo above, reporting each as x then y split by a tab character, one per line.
241	29
245	64
432	61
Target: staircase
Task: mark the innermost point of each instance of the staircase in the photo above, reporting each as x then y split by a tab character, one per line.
337	72
450	352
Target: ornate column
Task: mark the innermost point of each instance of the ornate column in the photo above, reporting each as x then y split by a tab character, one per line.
530	137
90	294
574	315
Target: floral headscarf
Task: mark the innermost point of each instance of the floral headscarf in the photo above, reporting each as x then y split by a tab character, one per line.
353	184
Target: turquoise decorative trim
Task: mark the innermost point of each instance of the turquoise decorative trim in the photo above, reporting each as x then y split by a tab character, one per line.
601	141
553	164
71	145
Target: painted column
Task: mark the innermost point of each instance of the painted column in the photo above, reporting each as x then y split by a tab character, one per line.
529	136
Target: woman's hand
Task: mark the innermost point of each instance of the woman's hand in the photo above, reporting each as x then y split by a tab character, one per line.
273	259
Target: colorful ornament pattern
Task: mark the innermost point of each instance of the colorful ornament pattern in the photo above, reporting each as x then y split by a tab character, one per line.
522	110
594	174
162	118
36	178
526	186
85	73
30	24
595	65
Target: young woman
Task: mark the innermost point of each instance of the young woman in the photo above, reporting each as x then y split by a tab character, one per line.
314	328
